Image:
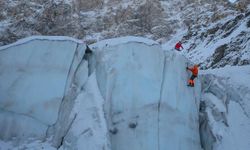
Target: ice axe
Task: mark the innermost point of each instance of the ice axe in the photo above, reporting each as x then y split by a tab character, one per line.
187	66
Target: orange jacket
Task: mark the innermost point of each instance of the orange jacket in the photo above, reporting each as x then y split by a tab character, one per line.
194	70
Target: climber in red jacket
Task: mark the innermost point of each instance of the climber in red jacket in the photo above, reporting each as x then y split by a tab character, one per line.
194	71
178	46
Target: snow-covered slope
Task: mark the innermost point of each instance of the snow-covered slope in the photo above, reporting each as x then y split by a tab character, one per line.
224	42
226	107
128	95
215	34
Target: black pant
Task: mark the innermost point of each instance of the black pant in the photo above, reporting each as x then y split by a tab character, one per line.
193	77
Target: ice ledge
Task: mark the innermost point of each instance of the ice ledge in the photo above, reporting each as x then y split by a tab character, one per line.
122	40
99	45
32	38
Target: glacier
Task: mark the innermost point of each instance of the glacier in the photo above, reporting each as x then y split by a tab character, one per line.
130	94
146	86
33	80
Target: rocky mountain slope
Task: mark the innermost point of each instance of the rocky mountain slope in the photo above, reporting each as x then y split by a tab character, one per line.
84	19
218	26
219	39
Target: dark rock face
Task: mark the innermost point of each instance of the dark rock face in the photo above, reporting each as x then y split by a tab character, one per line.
231	25
80	18
87	5
248	24
219	54
233	53
39	18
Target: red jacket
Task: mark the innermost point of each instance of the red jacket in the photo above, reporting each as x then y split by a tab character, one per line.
178	45
194	70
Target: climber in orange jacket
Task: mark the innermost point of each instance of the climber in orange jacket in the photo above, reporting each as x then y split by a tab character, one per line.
194	71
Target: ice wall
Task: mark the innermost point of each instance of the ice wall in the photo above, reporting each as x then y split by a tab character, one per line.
129	94
178	107
88	129
33	78
147	103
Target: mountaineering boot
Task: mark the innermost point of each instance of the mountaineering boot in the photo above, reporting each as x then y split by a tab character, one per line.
190	85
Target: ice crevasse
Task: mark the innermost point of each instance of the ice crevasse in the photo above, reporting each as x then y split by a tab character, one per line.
128	94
